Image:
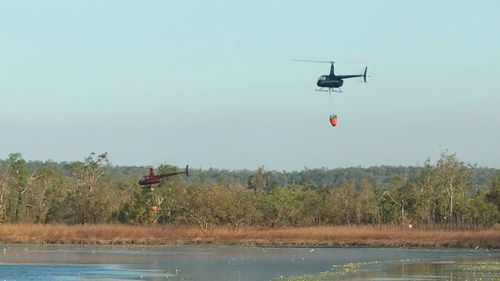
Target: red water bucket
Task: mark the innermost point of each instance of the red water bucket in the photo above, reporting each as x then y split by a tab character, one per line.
333	121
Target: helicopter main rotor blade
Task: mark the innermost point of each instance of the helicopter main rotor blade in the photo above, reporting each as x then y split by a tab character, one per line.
330	61
316	61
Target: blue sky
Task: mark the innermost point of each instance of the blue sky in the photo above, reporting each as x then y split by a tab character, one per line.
212	84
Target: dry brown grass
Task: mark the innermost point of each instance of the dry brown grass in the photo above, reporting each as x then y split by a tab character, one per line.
374	236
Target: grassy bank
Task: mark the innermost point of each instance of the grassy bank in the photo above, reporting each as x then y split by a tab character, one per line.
375	236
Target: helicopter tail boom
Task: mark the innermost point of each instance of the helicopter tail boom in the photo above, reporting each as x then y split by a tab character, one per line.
186	172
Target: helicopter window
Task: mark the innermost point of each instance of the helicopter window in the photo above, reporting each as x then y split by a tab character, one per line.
322	78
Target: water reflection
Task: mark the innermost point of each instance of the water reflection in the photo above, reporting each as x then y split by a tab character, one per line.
482	269
447	270
229	263
77	272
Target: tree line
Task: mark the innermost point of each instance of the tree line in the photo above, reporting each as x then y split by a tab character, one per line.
448	192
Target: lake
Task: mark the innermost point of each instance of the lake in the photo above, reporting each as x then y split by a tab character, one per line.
207	263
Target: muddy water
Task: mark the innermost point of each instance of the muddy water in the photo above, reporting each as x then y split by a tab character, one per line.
207	263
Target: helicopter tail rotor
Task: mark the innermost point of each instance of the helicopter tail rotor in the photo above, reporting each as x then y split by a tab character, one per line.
364	75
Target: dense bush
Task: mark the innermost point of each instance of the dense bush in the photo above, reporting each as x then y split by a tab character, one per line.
448	193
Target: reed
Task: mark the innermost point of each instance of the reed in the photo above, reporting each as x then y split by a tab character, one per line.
371	236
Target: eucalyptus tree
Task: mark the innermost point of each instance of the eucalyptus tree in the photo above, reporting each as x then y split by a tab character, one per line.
200	205
20	179
259	181
135	208
480	212
280	207
239	204
312	206
453	177
48	194
367	207
493	195
90	194
4	192
400	194
340	204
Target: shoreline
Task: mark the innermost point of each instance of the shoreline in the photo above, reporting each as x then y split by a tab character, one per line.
324	236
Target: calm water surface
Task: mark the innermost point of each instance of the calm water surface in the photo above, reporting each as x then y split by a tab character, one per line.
215	263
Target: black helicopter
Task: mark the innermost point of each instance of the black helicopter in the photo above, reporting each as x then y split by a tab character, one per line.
328	83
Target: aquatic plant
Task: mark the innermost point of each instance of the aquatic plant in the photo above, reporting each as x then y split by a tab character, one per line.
336	272
478	270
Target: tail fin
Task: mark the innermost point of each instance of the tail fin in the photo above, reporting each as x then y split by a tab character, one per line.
187	170
364	75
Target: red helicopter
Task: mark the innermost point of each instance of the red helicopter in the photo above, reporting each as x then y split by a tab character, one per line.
152	179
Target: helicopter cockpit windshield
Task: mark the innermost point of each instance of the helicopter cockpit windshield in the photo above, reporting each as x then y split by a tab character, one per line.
322	78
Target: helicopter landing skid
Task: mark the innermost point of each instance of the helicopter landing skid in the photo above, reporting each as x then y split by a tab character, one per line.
328	90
